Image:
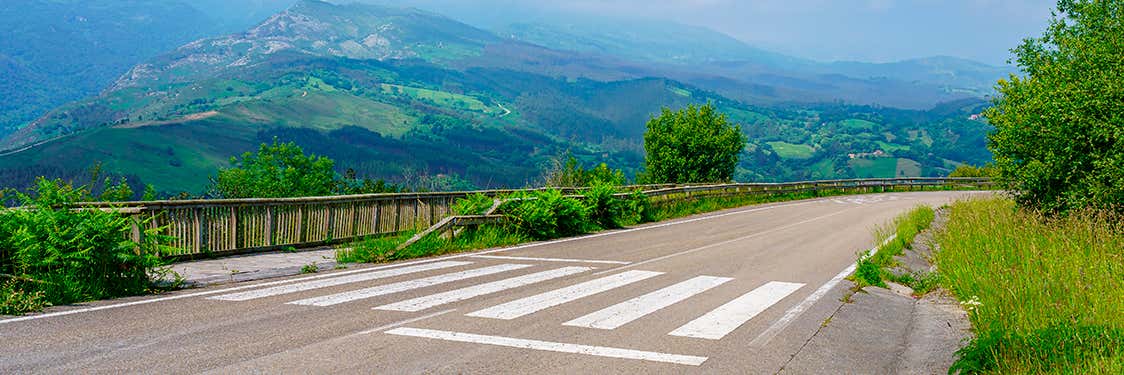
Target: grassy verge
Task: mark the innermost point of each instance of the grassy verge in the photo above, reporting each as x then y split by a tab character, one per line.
1044	296
874	269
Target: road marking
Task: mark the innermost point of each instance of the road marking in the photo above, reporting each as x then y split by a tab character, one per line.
422	303
403	264
719	322
550	259
407	321
795	311
701	248
559	347
636	308
292	288
524	306
334	299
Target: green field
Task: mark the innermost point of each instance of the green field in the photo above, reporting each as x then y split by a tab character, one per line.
885	167
874	168
324	111
787	150
442	98
891	147
857	125
907	168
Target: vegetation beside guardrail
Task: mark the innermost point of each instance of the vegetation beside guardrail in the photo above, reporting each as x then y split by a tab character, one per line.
229	226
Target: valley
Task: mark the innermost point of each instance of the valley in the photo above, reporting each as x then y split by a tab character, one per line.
407	95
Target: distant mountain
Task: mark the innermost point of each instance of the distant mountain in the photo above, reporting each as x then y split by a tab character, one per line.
657	41
393	92
55	51
954	73
716	60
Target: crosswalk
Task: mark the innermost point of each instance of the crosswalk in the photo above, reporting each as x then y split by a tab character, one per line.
711	325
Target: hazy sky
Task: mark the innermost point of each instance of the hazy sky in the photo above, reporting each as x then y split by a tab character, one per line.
866	30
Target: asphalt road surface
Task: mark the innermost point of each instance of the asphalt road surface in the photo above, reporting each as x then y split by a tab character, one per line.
737	291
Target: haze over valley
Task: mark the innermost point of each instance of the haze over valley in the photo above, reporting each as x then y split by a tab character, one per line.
166	92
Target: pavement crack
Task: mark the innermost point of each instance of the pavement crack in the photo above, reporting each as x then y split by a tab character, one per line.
809	340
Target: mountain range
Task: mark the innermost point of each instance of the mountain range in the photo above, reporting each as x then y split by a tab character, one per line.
392	92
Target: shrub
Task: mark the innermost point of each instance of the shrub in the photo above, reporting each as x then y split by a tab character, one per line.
968	170
605	210
52	254
549	214
475	204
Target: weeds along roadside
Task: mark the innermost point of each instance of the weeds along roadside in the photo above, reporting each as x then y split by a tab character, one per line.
874	269
51	254
1043	295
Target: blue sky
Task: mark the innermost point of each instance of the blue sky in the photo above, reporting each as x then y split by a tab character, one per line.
864	30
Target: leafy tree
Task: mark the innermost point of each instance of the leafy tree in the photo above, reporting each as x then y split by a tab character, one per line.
1059	131
277	170
695	144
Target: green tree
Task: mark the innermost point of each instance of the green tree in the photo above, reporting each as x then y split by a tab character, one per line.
695	144
1059	131
277	170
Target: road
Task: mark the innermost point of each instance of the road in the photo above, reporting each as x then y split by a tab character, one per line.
736	291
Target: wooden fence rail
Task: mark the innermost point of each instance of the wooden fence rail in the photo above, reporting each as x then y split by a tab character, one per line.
230	226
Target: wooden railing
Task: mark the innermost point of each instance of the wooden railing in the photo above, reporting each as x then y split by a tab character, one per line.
231	226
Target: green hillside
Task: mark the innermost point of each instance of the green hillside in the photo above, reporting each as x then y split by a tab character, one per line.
399	93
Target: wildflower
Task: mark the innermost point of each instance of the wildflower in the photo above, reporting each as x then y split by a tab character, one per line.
971	304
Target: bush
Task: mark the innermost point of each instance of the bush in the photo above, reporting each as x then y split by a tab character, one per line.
549	214
605	210
968	170
1059	136
475	204
51	254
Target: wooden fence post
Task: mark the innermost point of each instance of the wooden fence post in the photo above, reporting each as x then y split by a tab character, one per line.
233	227
270	223
198	223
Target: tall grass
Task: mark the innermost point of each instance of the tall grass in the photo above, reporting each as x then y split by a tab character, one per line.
1044	295
872	269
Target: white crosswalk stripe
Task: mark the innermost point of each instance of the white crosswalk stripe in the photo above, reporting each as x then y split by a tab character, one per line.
354	295
323	283
719	322
560	347
422	303
524	306
636	308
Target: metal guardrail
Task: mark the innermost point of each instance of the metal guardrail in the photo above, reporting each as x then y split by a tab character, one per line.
231	226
